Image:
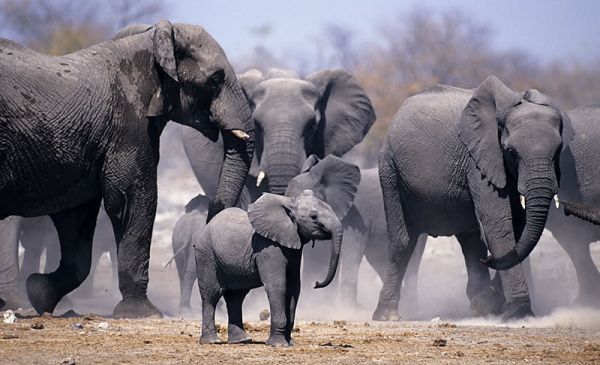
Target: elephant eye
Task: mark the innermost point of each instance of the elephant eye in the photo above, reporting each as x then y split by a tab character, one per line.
215	80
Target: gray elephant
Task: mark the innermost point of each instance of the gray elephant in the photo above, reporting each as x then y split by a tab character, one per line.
579	191
458	162
86	126
327	112
365	235
239	251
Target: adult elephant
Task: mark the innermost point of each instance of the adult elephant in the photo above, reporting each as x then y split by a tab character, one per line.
86	126
326	113
458	162
580	186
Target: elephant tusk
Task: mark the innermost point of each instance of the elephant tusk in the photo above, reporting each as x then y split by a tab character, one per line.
240	134
522	199
556	201
260	177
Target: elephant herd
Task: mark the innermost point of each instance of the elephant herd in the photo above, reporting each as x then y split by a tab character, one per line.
82	130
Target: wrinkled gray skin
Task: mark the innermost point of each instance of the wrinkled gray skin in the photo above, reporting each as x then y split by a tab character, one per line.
85	127
239	251
580	186
325	113
365	235
497	144
334	181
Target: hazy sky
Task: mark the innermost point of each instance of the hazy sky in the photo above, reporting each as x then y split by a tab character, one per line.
549	29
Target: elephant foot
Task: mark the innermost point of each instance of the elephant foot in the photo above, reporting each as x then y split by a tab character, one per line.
42	293
487	302
210	339
386	313
517	309
185	310
237	335
277	341
9	301
136	308
588	298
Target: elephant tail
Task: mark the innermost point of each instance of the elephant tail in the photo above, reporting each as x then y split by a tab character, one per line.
168	263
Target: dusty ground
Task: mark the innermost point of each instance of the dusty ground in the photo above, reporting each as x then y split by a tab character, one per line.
175	341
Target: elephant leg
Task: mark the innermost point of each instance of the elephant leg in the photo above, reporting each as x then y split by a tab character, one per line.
235	328
75	229
484	299
401	243
273	272
132	211
586	270
187	282
9	261
410	284
351	257
210	292
292	295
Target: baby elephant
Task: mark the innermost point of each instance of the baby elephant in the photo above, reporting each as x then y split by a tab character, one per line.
239	251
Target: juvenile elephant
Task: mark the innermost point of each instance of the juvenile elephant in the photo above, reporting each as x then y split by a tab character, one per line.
457	162
86	126
326	113
239	251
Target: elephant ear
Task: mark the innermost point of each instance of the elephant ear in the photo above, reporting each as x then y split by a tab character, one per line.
333	180
132	30
270	216
567	132
479	127
248	80
164	56
346	111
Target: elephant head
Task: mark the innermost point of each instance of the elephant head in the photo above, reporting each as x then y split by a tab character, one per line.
199	88
293	221
325	113
515	140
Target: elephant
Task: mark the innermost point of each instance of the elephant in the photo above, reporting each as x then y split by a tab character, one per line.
9	271
336	187
365	235
458	162
239	251
85	127
579	193
326	113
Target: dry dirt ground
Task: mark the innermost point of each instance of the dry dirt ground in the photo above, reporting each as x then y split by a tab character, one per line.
80	340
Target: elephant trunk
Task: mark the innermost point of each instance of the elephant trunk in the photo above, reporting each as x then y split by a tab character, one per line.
282	158
336	246
540	187
586	213
231	112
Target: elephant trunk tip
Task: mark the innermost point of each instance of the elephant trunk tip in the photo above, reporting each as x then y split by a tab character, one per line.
319	285
502	263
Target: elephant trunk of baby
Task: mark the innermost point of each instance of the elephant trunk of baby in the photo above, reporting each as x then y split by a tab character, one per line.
336	245
282	158
539	185
231	112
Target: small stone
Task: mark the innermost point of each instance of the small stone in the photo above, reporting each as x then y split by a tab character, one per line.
103	326
459	353
440	342
264	315
77	326
9	317
435	320
37	326
9	336
147	342
68	361
447	325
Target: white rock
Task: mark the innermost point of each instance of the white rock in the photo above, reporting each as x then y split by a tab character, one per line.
103	326
9	317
